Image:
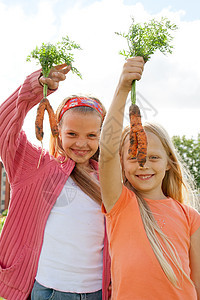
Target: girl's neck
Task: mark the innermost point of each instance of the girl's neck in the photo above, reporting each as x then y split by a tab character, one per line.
87	167
153	196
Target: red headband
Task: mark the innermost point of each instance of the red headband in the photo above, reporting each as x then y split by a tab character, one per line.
81	101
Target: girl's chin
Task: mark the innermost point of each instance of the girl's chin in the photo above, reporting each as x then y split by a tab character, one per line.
80	153
80	159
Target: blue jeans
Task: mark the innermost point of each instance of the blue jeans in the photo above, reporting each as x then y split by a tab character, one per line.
40	292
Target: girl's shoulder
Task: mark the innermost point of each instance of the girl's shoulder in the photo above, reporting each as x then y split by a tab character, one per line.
94	164
187	208
179	212
31	160
192	215
126	202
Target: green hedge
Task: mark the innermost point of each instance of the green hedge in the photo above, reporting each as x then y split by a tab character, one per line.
2	220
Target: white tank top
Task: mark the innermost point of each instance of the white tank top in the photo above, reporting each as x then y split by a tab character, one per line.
71	259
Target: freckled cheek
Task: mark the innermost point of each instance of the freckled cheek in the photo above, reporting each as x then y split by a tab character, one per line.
130	167
66	145
128	171
94	144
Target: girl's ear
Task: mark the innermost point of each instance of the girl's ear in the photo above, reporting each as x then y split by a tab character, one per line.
59	130
121	161
168	167
122	166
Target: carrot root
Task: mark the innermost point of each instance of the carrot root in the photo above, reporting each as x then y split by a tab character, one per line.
39	120
138	140
52	119
45	105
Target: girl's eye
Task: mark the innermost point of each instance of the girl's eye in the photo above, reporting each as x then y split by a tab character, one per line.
154	157
92	135
134	159
71	134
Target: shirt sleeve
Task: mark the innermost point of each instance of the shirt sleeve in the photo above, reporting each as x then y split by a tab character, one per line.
120	204
12	114
194	220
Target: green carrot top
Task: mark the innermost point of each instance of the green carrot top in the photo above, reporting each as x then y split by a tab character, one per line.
49	55
144	40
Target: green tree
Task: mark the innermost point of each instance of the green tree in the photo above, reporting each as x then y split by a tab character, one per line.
189	150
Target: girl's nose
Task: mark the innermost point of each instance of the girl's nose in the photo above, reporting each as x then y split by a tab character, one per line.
145	166
81	143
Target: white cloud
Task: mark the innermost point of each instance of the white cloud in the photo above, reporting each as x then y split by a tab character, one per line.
171	83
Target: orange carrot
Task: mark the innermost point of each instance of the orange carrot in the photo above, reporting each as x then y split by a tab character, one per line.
45	105
39	119
138	140
52	119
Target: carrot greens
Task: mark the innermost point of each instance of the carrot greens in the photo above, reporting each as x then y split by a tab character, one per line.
143	40
50	55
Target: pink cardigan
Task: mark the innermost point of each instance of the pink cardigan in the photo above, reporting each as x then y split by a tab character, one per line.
33	194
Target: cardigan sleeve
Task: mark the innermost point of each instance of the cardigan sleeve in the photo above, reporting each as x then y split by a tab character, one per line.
12	115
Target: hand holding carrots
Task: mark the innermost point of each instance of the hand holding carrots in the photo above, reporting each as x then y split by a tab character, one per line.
57	74
132	70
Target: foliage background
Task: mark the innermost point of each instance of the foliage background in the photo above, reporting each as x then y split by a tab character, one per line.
189	150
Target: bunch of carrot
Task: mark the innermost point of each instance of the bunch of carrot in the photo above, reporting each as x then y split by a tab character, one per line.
49	55
45	105
138	140
144	40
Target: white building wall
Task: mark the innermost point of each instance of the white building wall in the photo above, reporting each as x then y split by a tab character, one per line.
3	189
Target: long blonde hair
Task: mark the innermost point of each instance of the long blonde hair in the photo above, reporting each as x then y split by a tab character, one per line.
80	175
176	184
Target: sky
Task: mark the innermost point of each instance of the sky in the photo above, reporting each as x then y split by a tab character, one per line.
169	91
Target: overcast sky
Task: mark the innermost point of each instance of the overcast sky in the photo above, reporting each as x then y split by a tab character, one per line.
169	91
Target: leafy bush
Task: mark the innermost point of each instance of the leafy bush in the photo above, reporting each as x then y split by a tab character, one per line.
2	220
189	149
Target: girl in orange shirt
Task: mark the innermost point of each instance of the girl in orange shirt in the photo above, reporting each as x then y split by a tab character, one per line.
154	238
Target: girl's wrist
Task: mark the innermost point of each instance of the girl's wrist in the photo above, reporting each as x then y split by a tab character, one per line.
41	83
122	93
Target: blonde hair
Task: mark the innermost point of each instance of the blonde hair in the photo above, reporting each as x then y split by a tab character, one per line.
176	184
81	175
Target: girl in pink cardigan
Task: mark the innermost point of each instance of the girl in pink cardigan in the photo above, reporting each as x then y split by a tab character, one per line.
54	240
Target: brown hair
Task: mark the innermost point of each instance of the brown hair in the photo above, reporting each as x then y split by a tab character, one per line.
174	185
80	175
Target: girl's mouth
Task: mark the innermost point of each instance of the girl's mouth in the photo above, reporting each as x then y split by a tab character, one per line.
80	152
144	177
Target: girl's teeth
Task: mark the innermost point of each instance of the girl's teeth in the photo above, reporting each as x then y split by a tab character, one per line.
145	177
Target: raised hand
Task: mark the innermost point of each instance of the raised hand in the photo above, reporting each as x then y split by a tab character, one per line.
57	74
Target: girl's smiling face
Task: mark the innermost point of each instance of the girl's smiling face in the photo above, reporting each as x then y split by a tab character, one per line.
79	134
147	180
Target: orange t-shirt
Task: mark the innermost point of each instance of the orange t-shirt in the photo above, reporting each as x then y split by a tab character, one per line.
135	271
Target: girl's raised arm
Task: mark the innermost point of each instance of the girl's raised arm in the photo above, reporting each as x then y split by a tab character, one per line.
109	163
195	260
16	107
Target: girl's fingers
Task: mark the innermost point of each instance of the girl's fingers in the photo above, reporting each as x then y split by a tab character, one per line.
52	84
135	64
136	59
64	68
58	76
58	67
